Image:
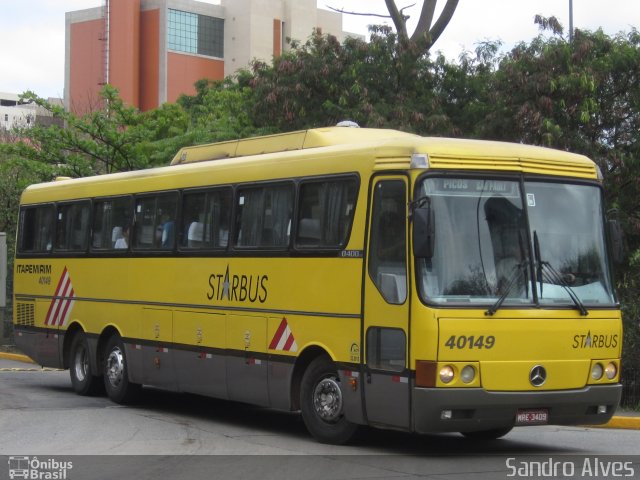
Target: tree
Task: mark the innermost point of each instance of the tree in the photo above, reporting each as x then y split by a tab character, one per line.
220	110
321	82
426	32
116	138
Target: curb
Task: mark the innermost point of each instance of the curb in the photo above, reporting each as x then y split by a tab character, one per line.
623	422
18	357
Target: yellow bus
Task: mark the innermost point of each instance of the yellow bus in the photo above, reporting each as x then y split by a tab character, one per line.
360	276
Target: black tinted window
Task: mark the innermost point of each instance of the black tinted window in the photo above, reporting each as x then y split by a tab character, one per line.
264	216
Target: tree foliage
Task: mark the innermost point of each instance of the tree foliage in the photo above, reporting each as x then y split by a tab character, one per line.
117	138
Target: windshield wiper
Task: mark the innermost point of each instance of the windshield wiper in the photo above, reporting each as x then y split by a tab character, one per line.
553	276
515	272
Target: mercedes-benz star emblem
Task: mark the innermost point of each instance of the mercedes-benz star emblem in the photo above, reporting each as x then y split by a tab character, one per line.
538	376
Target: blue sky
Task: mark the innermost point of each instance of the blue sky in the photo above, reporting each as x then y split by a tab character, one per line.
32	39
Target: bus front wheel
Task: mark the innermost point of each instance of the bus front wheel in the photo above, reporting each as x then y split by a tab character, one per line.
321	403
83	382
116	373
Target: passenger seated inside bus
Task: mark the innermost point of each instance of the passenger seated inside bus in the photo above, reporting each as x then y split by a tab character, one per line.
168	234
195	235
121	236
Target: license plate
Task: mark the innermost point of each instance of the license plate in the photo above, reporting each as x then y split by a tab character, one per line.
532	417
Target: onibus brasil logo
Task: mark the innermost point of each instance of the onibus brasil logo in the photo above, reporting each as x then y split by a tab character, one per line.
35	469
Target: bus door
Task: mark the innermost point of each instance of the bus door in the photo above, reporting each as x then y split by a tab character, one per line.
386	306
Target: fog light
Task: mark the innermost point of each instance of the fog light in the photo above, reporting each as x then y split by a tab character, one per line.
446	374
468	374
446	415
602	409
611	371
596	372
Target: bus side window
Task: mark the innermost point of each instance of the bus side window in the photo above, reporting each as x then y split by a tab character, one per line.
111	224
386	348
387	246
72	226
325	213
264	216
155	221
36	229
206	217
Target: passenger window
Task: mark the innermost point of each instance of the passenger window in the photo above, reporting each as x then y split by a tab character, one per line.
206	218
36	233
155	225
72	227
112	224
325	214
386	348
387	246
264	216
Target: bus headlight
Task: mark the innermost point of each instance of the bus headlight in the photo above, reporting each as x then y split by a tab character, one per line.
468	374
446	374
611	371
597	371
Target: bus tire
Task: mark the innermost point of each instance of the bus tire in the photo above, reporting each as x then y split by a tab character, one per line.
322	404
116	373
492	434
83	382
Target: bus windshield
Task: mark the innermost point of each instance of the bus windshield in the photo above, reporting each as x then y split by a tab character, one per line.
484	253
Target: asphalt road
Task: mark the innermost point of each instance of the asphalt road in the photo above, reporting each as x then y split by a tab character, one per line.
186	436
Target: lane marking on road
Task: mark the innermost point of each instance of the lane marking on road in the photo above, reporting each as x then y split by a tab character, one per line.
19	369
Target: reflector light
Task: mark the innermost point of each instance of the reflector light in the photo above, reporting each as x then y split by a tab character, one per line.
468	374
419	160
596	371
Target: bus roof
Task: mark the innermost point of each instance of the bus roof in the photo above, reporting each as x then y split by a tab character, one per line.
442	152
321	151
283	142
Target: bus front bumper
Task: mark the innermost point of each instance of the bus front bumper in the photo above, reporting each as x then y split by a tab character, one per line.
471	410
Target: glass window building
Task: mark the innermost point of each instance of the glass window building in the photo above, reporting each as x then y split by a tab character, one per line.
193	33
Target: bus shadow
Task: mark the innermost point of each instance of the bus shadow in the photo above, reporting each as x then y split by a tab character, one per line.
268	422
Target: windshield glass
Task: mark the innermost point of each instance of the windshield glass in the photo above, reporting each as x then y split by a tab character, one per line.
567	229
482	246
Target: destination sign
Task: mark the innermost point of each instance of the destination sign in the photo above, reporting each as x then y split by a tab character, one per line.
470	187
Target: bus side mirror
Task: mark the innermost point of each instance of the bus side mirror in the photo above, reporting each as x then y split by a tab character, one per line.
423	232
616	236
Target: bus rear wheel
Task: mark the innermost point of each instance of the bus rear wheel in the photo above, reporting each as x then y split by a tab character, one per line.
116	373
321	403
82	380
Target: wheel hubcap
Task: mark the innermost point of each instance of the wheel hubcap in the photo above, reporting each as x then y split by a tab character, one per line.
115	367
81	363
327	399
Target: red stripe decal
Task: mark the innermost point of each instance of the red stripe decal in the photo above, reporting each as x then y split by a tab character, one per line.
65	311
57	293
289	342
279	332
56	313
